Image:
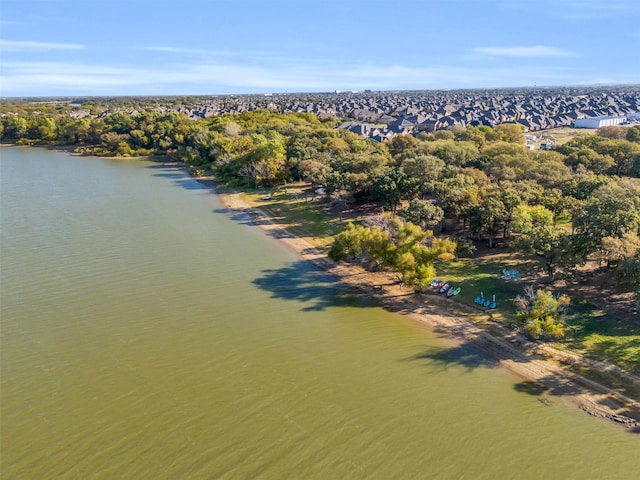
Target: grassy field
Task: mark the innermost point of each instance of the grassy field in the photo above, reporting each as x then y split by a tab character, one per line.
601	336
591	331
476	275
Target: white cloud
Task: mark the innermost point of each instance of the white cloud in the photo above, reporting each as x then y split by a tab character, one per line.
259	56
66	78
524	52
27	46
180	50
41	77
618	6
596	10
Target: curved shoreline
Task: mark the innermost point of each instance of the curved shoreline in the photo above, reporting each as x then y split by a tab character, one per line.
537	363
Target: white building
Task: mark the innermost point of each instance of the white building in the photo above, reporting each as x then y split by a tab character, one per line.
597	122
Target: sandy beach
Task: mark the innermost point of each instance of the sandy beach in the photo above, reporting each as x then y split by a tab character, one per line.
541	366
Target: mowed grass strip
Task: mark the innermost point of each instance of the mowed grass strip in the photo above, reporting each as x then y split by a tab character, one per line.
601	336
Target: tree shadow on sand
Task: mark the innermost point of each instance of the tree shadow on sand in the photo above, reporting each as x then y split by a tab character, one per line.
550	385
301	282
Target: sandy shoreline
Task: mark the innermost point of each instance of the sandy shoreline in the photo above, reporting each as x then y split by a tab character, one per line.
536	363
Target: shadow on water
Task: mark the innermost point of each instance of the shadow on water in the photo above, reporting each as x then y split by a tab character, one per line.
470	357
181	178
172	176
466	355
188	184
245	218
179	175
250	219
556	386
303	283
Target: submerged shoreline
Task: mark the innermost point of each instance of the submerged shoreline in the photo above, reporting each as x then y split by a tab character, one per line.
537	363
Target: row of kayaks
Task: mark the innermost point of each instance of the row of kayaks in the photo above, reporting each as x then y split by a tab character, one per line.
485	302
445	287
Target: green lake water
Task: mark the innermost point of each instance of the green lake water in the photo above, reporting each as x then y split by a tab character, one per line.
146	332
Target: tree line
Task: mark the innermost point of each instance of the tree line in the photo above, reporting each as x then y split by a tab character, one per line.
577	202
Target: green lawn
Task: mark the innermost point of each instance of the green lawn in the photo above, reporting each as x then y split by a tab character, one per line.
601	336
475	275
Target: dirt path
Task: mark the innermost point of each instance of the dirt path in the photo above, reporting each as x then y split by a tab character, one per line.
539	365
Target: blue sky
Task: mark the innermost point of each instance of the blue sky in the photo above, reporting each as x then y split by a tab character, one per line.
189	47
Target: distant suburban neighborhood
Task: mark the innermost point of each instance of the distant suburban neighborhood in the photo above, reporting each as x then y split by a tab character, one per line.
383	115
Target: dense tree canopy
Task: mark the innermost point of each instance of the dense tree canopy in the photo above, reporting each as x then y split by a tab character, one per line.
395	245
580	201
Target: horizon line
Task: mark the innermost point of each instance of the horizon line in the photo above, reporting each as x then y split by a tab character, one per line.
332	92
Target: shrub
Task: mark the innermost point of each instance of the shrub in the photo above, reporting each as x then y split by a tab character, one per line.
541	313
